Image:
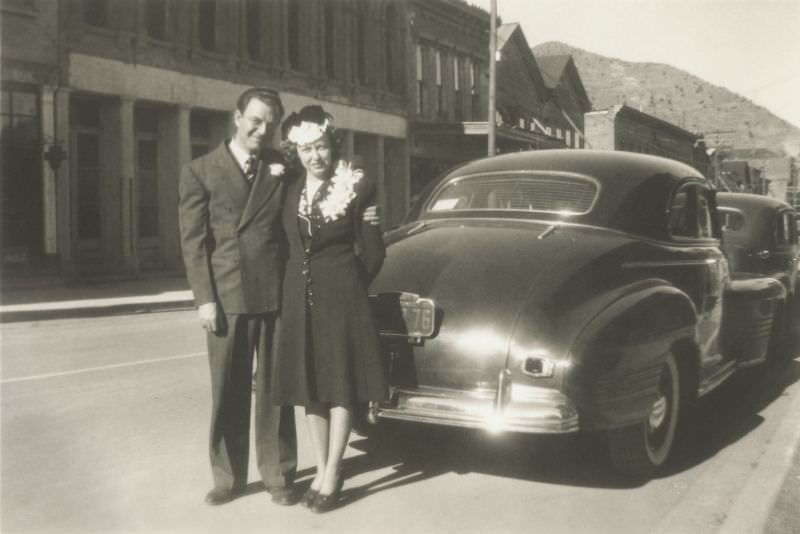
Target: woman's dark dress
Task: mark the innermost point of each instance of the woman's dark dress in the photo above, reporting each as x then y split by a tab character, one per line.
328	345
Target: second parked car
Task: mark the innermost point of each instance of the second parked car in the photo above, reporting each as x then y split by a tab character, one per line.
760	237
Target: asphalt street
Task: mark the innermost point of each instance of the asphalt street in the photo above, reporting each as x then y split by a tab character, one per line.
104	429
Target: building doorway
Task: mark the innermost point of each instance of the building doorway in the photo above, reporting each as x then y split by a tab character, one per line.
146	125
21	184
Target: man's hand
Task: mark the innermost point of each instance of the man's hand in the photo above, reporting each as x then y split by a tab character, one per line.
207	313
372	215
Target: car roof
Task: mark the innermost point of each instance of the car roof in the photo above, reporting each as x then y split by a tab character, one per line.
759	213
613	166
634	188
749	201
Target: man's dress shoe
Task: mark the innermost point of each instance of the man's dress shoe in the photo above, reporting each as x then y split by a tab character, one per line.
282	496
220	496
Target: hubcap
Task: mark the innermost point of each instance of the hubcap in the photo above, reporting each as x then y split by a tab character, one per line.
658	413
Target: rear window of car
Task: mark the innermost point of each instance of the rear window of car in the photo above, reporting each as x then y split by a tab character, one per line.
551	193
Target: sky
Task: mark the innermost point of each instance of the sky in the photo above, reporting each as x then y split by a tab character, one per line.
751	47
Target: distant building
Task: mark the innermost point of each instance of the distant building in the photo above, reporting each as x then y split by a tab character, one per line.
568	100
449	106
739	175
780	175
624	128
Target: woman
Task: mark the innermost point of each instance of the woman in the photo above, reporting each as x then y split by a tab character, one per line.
328	357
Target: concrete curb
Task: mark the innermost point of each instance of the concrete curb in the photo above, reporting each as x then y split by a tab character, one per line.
172	300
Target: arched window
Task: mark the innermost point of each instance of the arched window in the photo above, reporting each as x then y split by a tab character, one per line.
293	30
390	42
95	12
329	42
253	28
420	54
156	19
207	23
361	42
439	82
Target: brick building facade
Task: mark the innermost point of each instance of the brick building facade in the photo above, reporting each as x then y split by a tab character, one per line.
129	90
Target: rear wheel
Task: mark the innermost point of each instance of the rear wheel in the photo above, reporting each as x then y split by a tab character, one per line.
640	449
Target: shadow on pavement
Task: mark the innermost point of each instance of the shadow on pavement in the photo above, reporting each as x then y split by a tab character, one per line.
418	452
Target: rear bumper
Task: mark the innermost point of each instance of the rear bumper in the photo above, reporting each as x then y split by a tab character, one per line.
519	409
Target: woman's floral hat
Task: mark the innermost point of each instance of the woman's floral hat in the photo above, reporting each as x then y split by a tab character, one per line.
307	125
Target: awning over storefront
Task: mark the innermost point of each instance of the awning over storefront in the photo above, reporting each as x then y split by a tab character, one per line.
441	137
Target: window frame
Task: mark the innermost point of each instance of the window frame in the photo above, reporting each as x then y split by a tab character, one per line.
698	189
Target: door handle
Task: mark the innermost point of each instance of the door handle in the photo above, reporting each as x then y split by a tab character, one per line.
764	254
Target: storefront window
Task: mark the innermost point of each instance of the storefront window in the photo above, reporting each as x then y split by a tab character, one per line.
21	178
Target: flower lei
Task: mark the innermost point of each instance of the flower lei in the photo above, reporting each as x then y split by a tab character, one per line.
339	195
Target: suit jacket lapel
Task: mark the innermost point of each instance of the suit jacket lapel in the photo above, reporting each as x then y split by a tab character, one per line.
264	186
234	180
292	201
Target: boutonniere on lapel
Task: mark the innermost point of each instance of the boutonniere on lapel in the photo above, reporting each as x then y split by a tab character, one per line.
340	193
278	171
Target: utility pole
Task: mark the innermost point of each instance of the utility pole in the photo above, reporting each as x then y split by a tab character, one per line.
491	122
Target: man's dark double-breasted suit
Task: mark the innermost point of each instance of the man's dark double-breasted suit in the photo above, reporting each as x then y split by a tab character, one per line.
232	249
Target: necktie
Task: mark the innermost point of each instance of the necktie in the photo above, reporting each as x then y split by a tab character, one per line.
250	167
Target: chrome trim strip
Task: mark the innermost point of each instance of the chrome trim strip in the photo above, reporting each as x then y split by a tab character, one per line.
669	263
717	379
428	218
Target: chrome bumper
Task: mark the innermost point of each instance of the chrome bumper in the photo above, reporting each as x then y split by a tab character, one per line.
519	408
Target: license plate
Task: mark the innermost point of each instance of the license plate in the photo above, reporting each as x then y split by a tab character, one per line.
404	315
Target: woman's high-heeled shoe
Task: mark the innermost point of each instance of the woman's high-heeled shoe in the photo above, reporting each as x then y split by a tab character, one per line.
324	503
309	497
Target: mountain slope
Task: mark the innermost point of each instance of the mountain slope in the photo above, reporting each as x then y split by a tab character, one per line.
681	98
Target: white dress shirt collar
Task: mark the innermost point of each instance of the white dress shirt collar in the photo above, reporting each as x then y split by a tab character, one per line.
239	154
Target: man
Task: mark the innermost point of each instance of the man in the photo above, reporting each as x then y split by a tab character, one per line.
230	200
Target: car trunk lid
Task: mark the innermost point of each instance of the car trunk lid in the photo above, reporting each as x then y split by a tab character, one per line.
478	273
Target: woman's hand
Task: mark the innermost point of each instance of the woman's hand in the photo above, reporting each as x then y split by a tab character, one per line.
372	215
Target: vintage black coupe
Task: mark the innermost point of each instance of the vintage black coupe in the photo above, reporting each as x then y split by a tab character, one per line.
566	290
760	236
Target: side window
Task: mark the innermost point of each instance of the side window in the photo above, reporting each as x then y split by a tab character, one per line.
680	215
730	221
690	215
783	229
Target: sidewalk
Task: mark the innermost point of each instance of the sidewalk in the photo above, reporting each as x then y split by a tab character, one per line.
94	297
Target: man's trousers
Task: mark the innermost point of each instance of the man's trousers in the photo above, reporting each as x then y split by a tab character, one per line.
230	356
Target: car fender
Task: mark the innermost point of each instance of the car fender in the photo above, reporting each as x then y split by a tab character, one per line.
616	358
